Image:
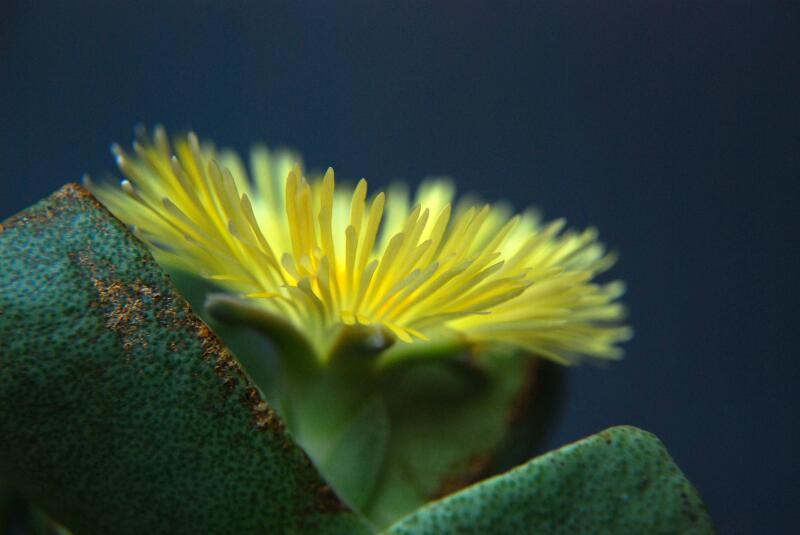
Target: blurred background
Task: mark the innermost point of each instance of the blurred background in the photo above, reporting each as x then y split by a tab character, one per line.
672	126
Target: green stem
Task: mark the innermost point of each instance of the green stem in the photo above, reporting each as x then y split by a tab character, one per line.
300	357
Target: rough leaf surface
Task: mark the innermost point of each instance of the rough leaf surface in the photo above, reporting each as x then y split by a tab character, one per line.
621	481
120	412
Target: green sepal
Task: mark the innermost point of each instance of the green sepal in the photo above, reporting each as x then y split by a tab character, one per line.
120	411
355	455
299	356
449	418
618	482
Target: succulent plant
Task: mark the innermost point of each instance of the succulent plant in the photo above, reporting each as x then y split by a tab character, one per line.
296	361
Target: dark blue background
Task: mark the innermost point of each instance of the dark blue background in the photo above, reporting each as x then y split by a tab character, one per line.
673	126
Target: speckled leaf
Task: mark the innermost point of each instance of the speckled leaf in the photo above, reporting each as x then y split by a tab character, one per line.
120	412
621	481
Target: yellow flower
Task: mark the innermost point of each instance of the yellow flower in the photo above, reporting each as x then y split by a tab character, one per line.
323	256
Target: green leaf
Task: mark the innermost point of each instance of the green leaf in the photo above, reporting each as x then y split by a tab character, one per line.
120	411
621	481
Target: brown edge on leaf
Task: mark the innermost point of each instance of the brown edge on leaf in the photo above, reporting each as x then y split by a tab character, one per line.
113	293
54	202
126	309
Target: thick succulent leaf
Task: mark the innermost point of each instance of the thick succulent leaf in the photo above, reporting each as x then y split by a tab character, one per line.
621	481
120	412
